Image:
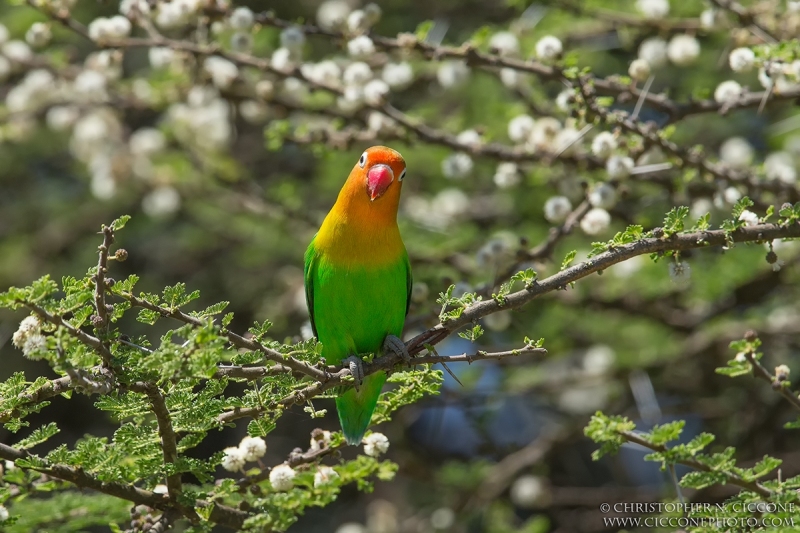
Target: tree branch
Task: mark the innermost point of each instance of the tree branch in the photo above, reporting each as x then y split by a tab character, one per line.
221	514
732	479
101	324
79	334
169	444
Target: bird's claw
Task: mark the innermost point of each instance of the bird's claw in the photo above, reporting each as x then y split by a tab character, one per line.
356	367
396	346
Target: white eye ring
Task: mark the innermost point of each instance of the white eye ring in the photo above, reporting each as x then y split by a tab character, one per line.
402	175
363	160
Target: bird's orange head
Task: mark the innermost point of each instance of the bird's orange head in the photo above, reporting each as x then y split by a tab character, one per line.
380	171
372	191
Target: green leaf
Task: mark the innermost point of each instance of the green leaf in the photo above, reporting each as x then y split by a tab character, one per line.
673	222
472	334
259	330
568	259
38	436
119	223
260	427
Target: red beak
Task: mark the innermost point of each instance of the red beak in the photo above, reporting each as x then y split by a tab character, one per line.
379	178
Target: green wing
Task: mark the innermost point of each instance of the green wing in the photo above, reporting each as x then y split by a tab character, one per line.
409	283
309	273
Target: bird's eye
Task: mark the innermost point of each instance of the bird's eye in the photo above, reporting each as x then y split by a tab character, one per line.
402	175
363	160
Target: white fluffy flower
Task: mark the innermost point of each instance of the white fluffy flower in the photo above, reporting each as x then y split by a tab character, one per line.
99	29
604	144
544	134
510	77
253	111
556	209
442	519
3	513
596	221
30	325
654	51
520	128
282	477
468	137
653	9
375	92
134	8
564	99
680	272
357	73
505	43
161	202
38	34
265	89
451	202
118	27
282	60
726	197
749	218
160	56
728	92
528	491
742	59
711	18
683	50
700	207
603	195
17	51
233	460
457	166
379	122
34	345
373	12
253	448
773	77
242	18
324	475
222	72
332	15
452	74
619	167
90	86
375	444
780	166
567	141
147	142
548	48
639	70
316	443
60	118
360	47
736	152
398	75
326	72
506	175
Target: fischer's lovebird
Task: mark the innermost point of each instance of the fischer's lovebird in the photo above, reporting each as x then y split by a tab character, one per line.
358	281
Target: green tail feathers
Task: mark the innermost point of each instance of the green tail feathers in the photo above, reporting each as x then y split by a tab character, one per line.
356	408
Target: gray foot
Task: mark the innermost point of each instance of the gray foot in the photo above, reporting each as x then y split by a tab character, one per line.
396	346
356	367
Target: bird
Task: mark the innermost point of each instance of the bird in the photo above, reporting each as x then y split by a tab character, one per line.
358	282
